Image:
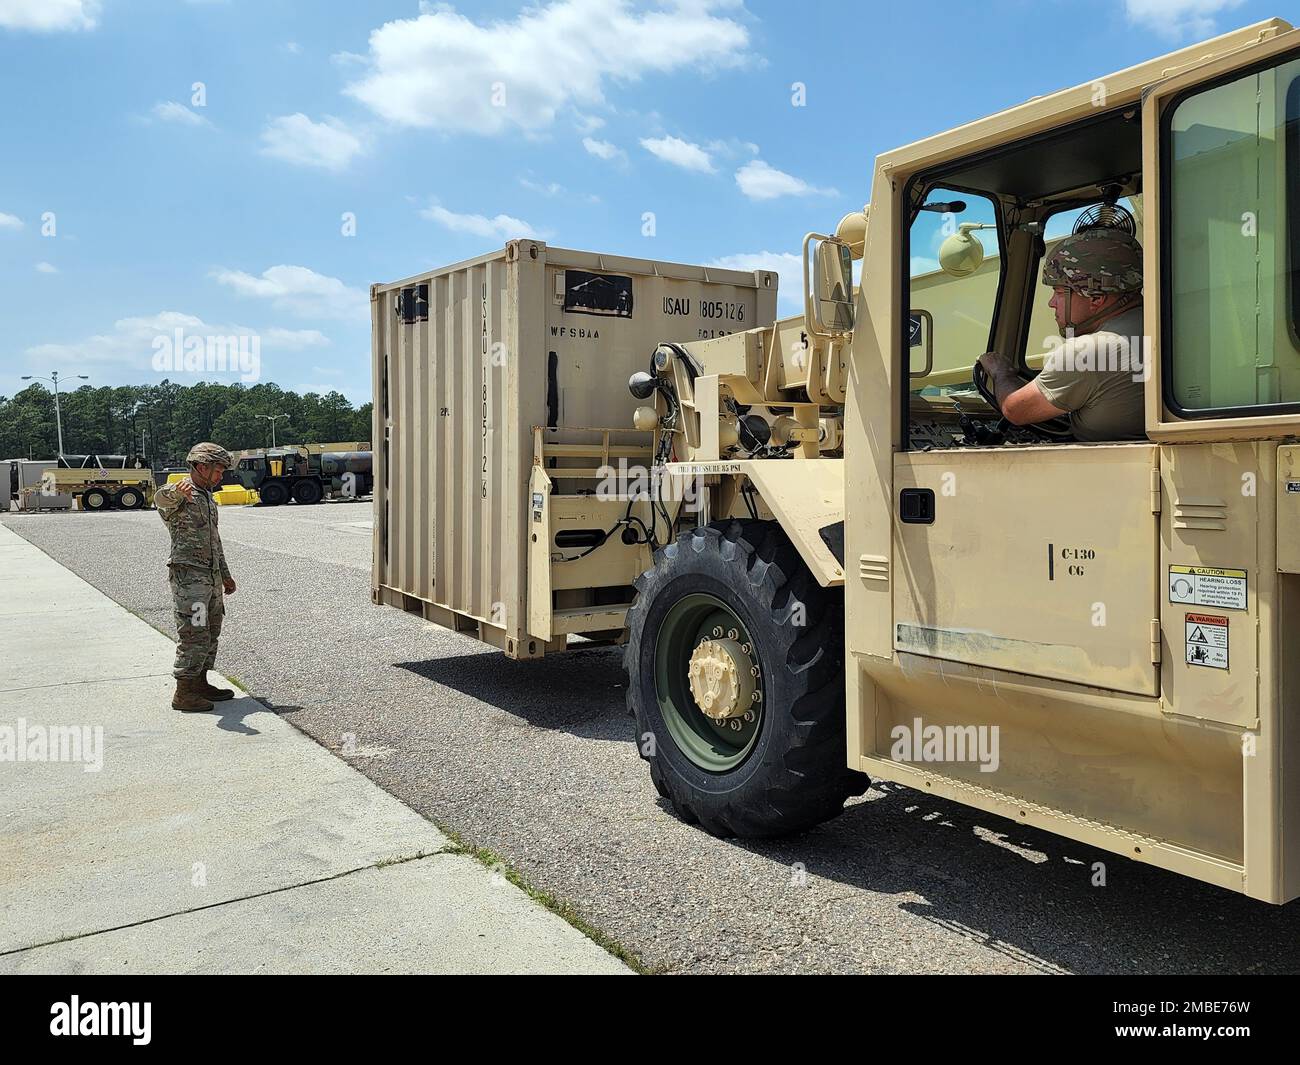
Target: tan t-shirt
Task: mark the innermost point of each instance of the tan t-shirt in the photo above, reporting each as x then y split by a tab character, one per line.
1098	378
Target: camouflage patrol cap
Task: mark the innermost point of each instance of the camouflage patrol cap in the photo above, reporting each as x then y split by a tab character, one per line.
208	452
1096	262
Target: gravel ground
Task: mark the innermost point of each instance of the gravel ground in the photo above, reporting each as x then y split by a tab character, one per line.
535	761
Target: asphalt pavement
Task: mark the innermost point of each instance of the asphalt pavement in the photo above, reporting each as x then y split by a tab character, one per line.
535	763
141	840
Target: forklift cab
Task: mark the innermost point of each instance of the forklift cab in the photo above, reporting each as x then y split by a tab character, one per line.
1121	611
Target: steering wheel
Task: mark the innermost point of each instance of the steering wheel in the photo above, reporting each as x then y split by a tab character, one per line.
1054	429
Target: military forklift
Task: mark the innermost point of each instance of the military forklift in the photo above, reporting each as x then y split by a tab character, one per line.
882	578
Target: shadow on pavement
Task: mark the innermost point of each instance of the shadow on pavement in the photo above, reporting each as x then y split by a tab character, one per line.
581	691
230	715
1030	895
1024	893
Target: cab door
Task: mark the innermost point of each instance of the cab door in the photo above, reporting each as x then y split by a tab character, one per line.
1035	560
1038	560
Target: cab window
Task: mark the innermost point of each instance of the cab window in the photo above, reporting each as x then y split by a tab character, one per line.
956	268
1231	159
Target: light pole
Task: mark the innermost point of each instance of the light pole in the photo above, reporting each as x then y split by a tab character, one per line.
58	415
135	412
272	419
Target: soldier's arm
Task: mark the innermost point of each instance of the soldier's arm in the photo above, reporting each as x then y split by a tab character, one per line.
1028	406
221	556
168	500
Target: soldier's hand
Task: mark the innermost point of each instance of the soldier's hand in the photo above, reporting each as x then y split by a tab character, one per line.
186	488
228	585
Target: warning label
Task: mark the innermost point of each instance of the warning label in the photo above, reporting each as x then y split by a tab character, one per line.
1207	586
1207	641
1293	486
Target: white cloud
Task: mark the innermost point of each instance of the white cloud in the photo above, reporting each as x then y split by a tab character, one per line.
1178	18
10	221
171	111
501	226
293	339
297	139
589	123
680	153
550	189
301	291
786	265
292	47
127	350
46	268
443	70
603	149
759	181
47	16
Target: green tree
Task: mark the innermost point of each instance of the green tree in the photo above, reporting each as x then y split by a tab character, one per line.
169	418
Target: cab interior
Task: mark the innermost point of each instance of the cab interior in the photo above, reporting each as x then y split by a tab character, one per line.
1016	202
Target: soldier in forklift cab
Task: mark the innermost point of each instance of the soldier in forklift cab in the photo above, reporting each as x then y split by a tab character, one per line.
1095	374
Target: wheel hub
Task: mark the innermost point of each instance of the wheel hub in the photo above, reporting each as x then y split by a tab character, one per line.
721	678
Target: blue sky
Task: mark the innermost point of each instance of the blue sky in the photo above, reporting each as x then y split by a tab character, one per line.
133	203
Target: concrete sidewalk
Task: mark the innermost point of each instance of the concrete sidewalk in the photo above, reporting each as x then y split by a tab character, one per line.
224	842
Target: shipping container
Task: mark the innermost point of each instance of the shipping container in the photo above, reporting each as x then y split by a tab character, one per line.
514	361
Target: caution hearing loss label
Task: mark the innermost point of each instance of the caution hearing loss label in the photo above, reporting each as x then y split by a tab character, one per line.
1207	586
1207	641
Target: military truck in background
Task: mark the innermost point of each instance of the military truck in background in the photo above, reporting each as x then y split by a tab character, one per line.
827	554
305	473
101	482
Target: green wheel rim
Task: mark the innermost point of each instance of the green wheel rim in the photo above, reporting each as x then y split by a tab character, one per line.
712	745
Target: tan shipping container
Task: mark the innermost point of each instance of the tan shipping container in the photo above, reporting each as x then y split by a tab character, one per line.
481	366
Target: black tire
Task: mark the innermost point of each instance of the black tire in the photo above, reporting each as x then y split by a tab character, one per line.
129	499
307	492
94	499
794	774
273	494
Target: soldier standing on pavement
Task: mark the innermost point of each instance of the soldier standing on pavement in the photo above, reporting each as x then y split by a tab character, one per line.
197	573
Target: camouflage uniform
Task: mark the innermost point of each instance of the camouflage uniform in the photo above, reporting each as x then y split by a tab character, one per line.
1107	399
196	568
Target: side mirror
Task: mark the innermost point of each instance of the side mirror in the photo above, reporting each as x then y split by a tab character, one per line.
828	286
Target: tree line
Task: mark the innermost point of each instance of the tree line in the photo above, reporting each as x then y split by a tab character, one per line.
163	421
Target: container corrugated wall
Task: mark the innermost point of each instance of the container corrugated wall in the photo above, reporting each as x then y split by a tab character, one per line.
440	428
466	361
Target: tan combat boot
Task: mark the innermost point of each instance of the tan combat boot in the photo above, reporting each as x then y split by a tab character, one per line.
210	691
189	697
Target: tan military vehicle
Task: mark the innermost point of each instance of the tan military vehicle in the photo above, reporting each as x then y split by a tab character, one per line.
843	562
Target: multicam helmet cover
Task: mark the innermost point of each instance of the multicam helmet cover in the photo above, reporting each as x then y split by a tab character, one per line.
1096	262
209	452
